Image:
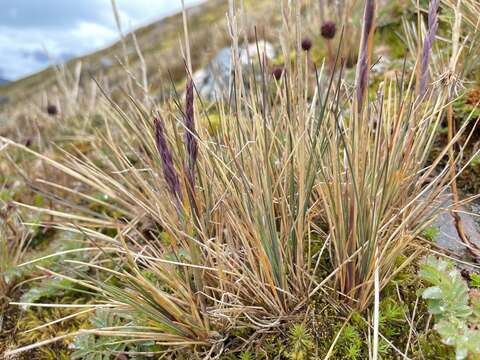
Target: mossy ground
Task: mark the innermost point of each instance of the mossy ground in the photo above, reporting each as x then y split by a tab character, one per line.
307	335
404	317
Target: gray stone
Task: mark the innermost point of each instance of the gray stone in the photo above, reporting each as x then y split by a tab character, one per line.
448	238
106	61
3	100
382	65
214	81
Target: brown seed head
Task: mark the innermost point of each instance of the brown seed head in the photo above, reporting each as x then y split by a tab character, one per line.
328	30
277	72
52	110
306	44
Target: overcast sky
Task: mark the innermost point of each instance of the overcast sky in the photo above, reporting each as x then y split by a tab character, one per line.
34	31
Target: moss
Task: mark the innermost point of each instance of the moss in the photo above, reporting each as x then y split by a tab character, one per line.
41	235
431	233
280	60
431	347
5	195
390	36
212	123
52	290
474	281
301	343
464	107
350	345
318	52
38	316
476	161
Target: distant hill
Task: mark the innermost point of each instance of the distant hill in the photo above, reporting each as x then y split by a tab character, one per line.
160	46
3	81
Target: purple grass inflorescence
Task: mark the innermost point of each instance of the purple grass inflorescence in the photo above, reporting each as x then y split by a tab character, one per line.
428	43
363	64
190	132
169	172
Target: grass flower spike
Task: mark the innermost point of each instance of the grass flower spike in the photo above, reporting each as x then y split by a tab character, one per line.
427	44
169	172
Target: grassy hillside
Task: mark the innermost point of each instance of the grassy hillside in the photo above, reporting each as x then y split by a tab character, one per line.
159	43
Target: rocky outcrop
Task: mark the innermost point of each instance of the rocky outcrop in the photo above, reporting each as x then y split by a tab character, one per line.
447	237
214	81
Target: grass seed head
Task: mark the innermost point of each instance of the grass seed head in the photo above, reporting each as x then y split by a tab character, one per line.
52	110
428	43
328	30
190	131
277	72
306	44
169	172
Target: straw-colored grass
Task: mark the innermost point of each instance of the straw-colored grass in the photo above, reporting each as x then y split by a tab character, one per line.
203	232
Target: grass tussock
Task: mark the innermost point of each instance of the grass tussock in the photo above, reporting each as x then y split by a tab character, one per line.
220	220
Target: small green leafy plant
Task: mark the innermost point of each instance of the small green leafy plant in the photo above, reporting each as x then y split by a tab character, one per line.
89	346
431	233
301	343
456	310
475	280
350	343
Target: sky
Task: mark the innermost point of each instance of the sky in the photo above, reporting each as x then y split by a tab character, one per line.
35	33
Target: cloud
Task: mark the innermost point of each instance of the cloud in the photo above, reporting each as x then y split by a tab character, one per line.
24	51
33	33
52	14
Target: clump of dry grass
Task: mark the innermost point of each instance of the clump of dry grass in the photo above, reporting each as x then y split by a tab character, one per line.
377	185
14	239
209	234
242	228
452	68
375	182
